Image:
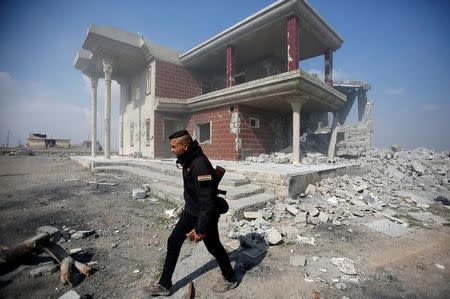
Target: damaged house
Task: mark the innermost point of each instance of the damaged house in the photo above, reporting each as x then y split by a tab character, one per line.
240	93
40	141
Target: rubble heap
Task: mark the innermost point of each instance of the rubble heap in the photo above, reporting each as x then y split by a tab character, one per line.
396	182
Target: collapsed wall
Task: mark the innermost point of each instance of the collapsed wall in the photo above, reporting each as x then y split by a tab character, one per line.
356	139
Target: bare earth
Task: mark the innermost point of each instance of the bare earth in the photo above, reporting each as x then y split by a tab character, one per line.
131	235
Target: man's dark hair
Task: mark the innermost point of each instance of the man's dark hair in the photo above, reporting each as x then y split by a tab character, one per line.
183	136
178	134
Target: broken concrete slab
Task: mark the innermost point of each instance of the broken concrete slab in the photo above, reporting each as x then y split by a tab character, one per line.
298	260
274	237
292	210
344	265
388	227
428	217
252	215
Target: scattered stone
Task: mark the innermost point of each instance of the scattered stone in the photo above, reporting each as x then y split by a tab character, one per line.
439	266
81	234
417	167
344	265
310	189
274	237
136	271
313	212
75	251
292	210
333	201
170	213
301	217
71	180
147	187
70	295
252	215
139	193
298	260
395	148
323	217
306	240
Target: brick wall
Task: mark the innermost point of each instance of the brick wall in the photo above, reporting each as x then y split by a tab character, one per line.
174	81
222	146
256	140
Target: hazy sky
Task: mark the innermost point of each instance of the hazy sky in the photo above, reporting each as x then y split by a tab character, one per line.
401	48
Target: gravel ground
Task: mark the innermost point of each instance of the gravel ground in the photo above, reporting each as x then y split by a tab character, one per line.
131	235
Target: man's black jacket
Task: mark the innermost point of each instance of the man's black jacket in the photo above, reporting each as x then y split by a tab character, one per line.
200	187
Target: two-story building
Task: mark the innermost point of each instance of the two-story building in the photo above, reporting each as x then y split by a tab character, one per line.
239	93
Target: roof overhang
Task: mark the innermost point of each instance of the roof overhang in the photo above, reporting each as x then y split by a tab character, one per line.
127	52
271	93
251	36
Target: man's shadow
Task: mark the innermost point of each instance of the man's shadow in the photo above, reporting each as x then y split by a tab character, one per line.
252	251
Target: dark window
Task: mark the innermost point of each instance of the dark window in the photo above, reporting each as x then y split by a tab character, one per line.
147	131
206	87
203	132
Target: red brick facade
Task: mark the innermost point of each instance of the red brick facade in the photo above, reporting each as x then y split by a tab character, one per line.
174	81
222	146
256	140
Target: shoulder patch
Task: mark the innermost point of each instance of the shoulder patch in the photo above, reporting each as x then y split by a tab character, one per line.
202	178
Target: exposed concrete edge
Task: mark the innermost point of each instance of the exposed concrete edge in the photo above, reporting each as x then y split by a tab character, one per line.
298	183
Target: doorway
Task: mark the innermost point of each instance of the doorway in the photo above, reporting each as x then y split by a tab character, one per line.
171	125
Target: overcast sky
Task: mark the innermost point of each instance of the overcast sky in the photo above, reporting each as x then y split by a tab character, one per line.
401	48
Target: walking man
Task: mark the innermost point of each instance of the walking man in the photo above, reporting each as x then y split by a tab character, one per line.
200	216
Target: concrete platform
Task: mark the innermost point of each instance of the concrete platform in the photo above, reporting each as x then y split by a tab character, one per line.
283	180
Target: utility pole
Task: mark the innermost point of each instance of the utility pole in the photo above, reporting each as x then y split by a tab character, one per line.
7	140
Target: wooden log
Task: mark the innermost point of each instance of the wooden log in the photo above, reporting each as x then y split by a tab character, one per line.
65	270
59	254
26	247
83	268
56	252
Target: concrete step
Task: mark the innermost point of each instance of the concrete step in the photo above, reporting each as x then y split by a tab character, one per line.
251	202
163	167
144	173
234	193
170	187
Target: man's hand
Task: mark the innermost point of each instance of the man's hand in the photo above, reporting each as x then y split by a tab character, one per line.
194	236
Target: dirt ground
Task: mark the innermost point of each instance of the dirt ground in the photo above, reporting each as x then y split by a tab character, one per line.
131	235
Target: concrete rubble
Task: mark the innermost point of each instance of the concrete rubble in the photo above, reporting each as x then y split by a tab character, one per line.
393	195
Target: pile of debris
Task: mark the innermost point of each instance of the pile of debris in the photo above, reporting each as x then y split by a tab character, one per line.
396	192
396	182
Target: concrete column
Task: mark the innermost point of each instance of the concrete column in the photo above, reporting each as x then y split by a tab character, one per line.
230	67
332	145
94	83
107	69
362	102
292	43
296	108
328	67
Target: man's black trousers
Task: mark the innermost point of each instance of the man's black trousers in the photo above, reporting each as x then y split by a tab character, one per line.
186	223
